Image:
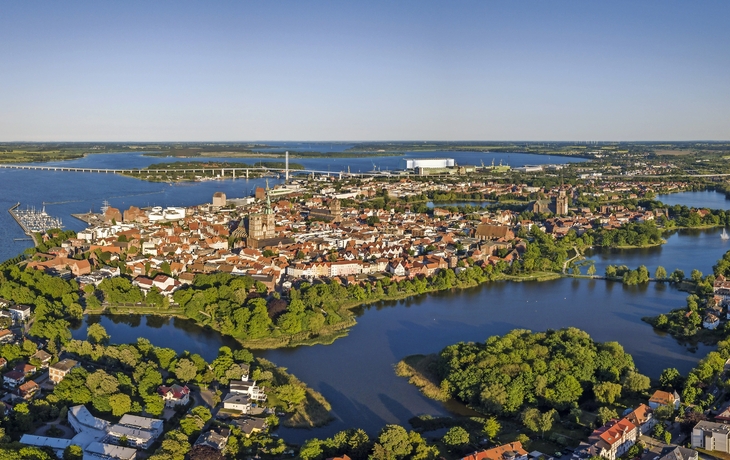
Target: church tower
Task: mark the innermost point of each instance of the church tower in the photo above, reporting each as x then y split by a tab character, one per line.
561	204
261	226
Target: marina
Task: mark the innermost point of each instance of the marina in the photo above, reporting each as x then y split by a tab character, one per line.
33	222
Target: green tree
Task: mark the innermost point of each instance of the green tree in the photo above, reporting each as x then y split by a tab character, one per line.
667	437
395	441
664	412
607	392
606	414
636	382
696	276
174	447
592	270
185	370
97	334
120	404
311	450
154	405
202	412
660	273
456	436
73	452
576	414
677	276
538	421
292	395
492	427
190	425
670	378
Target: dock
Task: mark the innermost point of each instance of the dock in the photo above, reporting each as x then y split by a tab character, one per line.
33	222
91	218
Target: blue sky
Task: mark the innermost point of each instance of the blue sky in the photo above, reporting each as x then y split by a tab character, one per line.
375	70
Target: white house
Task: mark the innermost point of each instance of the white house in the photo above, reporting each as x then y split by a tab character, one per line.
711	321
20	313
174	395
237	402
664	398
249	388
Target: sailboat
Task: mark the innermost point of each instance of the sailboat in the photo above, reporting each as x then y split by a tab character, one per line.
724	235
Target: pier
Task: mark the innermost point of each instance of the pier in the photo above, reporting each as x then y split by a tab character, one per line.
33	222
90	218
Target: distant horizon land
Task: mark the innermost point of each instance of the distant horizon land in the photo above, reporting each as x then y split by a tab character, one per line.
592	142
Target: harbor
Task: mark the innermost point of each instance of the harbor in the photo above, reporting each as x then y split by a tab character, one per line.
33	222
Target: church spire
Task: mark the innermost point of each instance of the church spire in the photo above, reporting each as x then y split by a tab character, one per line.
268	199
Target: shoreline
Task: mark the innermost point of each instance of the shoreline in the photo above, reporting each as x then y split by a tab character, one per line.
325	336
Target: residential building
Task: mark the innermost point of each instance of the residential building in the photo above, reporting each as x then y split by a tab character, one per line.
643	417
611	440
59	370
215	438
678	453
19	313
13	378
42	357
26	369
6	336
711	436
174	395
249	388
237	402
664	398
510	451
250	425
28	389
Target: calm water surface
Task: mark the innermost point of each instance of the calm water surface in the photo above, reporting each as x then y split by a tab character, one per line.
685	249
361	163
356	375
707	199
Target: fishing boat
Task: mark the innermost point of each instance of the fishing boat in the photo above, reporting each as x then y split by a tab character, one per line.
724	235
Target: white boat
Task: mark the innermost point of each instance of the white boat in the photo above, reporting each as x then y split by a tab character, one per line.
724	235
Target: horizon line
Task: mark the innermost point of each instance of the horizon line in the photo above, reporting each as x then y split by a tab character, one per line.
587	142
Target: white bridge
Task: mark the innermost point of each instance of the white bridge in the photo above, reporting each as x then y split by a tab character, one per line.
232	172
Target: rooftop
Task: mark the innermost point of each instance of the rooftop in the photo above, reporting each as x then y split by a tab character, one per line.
713	427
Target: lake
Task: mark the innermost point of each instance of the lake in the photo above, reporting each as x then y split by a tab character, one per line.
685	249
356	375
705	199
